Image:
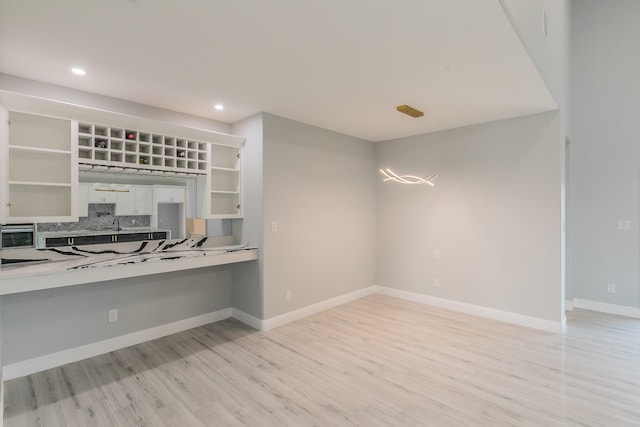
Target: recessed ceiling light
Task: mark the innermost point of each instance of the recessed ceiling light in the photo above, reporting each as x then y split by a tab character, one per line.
78	71
219	107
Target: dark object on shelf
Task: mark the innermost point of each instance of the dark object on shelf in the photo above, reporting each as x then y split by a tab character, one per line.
182	153
130	134
143	161
100	143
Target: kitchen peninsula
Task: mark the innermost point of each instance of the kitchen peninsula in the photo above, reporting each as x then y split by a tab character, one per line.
107	198
24	270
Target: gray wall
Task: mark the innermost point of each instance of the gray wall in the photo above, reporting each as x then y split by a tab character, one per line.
43	322
552	57
494	215
247	277
606	153
319	186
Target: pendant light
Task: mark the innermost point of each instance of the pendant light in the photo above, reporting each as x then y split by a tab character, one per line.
390	175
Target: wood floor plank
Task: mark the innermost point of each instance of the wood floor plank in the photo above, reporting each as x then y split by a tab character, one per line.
377	361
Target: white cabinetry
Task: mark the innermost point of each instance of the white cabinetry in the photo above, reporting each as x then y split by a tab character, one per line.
102	147
83	199
222	194
138	200
39	168
170	194
101	193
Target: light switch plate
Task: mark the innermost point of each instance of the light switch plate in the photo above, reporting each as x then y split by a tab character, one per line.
624	225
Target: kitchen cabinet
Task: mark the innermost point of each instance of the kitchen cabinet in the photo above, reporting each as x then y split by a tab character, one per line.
102	193
83	199
222	186
96	239
137	201
39	171
170	194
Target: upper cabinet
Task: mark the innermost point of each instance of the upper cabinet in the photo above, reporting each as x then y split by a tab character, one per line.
39	168
223	182
134	200
40	156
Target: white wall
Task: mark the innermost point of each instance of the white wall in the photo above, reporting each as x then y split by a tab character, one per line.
319	186
494	215
606	152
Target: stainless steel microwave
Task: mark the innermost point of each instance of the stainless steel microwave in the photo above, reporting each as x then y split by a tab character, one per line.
17	236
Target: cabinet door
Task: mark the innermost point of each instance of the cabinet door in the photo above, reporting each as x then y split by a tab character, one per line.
126	202
39	168
169	195
99	193
144	200
137	201
83	199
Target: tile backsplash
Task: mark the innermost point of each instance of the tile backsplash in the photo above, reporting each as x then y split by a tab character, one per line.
100	217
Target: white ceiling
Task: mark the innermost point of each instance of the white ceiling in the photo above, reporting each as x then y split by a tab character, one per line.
343	65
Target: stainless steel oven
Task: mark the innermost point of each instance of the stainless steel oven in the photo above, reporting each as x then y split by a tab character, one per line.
17	236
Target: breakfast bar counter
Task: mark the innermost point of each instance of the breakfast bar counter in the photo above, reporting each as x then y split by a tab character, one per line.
30	270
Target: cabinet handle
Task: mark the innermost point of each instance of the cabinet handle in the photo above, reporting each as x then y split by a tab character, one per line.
237	206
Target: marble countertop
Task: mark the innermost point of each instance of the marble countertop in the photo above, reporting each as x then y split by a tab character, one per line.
33	269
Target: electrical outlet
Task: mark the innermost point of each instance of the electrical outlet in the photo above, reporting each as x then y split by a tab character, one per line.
274	226
436	282
611	288
436	255
113	315
288	296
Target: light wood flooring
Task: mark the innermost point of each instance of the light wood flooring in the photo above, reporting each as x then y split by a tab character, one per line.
377	361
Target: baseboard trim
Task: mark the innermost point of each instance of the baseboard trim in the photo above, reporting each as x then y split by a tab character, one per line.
476	310
41	363
605	307
247	319
309	310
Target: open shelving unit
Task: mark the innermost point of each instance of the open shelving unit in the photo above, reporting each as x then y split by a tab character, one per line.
40	173
102	147
224	182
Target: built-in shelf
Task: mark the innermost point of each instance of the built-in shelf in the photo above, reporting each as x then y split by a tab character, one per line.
40	174
224	182
101	146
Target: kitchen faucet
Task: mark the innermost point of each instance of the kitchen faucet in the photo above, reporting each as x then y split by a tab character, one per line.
118	226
